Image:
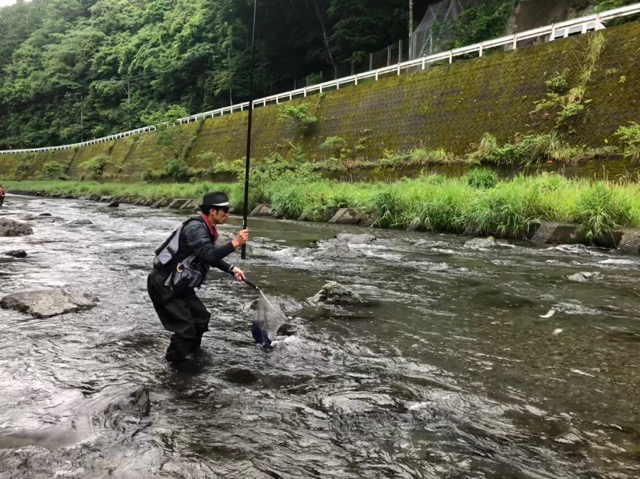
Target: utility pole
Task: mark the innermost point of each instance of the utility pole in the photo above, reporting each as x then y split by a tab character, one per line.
81	117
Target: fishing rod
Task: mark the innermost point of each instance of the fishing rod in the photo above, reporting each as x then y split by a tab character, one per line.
245	213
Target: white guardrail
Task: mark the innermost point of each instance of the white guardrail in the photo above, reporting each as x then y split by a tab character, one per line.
558	30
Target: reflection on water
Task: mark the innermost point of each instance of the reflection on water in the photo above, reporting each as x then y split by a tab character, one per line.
448	370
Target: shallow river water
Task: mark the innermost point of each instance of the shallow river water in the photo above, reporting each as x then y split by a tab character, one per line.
449	371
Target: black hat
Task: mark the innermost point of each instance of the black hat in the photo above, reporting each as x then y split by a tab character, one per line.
217	199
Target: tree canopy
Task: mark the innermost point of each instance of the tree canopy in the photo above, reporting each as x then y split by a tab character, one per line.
79	69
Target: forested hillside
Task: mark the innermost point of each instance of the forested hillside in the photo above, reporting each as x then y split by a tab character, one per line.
78	69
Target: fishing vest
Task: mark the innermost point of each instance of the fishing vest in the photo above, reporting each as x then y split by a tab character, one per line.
188	273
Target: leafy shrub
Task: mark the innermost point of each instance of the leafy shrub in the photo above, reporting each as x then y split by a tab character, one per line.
177	170
334	144
299	114
22	168
482	178
630	139
558	83
208	157
54	170
95	166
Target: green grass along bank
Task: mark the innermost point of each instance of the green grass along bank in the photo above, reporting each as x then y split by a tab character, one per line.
476	204
577	88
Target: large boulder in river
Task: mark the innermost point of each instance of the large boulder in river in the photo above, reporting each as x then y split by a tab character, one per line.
13	228
335	293
47	303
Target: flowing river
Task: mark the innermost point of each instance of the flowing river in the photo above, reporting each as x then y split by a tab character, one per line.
449	370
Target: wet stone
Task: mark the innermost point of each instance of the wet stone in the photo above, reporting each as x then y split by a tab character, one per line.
583	277
178	203
47	303
346	216
335	293
14	228
262	210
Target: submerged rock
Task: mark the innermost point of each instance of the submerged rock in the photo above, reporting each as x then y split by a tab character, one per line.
18	253
335	293
334	249
358	402
44	304
80	222
13	228
43	218
136	402
355	239
481	243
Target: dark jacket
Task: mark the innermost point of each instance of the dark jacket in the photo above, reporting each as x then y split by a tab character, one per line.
195	238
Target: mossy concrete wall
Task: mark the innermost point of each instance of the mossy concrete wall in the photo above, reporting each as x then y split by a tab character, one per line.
446	106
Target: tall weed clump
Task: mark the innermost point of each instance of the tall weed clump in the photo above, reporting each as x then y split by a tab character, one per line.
440	209
599	210
388	206
525	149
552	196
506	211
481	178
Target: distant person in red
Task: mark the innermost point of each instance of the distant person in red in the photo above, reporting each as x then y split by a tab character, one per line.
1	195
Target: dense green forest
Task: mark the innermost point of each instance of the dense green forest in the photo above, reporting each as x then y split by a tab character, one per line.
72	70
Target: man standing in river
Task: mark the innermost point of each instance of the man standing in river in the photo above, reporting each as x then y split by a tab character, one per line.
181	264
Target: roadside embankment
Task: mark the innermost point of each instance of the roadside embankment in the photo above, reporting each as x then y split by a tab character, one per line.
546	208
579	93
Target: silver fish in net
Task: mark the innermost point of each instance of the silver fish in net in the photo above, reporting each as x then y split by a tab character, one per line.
268	319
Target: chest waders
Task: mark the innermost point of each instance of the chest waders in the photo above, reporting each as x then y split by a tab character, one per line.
170	287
